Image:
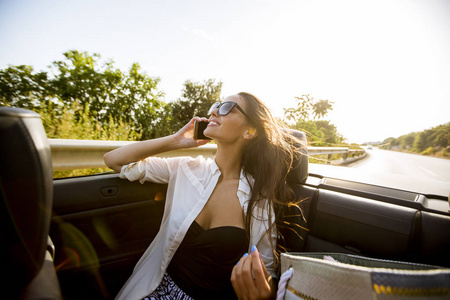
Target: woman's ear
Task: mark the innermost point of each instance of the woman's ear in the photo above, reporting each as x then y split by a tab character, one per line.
250	133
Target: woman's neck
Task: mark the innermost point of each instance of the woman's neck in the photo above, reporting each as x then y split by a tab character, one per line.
229	161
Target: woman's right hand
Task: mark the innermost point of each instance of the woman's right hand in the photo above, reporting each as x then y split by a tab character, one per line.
185	136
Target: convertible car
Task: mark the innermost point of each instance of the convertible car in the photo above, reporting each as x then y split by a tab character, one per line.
79	238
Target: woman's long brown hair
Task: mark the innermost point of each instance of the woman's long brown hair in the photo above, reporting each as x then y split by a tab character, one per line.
268	158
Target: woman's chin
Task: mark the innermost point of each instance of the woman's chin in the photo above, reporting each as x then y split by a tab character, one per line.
208	133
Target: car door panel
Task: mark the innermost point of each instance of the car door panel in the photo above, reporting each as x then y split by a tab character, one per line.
101	225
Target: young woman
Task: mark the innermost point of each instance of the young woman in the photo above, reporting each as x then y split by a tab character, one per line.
218	233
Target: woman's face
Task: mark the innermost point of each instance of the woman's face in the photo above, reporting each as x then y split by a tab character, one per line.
231	127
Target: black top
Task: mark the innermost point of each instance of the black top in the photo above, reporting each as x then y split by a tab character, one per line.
202	265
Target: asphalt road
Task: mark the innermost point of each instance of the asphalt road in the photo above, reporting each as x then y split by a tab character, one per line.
411	172
405	164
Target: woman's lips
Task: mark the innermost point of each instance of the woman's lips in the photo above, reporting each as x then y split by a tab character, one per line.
213	123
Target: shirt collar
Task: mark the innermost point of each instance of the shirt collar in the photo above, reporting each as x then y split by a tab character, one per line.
214	168
244	184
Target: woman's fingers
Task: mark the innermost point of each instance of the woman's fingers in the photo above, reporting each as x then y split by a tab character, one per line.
185	136
202	142
259	270
249	277
236	276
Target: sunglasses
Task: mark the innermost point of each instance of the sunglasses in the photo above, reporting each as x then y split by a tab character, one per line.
224	108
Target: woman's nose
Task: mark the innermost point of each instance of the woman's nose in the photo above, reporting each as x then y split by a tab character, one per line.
214	112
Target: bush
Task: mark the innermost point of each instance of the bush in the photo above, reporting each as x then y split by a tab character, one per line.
429	151
446	152
75	123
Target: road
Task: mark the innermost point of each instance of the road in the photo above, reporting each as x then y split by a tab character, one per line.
405	164
417	173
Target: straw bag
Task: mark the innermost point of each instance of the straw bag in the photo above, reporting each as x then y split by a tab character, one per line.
342	276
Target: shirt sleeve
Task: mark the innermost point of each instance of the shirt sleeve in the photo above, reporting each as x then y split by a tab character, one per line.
153	169
266	237
265	248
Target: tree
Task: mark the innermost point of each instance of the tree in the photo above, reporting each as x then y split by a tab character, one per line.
20	87
434	141
392	142
164	125
307	109
103	91
321	108
196	100
330	133
441	136
421	141
79	78
138	101
407	141
306	117
108	92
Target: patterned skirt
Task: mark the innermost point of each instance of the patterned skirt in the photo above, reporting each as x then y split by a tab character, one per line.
168	290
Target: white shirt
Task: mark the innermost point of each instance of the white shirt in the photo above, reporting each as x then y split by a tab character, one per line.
190	184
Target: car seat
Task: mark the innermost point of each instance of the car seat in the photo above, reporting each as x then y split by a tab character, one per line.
292	221
26	194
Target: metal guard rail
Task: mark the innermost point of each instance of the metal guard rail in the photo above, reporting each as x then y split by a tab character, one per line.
83	154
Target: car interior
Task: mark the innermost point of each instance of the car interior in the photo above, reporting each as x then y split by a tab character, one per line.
81	237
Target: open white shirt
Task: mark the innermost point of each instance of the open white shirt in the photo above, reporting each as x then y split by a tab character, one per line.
190	184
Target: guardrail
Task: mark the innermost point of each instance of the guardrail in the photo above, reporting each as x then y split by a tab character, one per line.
84	154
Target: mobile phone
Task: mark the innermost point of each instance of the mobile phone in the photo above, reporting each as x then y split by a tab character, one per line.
199	127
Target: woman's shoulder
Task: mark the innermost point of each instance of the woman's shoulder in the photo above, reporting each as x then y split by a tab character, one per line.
199	162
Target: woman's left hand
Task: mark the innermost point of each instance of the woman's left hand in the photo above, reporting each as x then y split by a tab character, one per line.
250	278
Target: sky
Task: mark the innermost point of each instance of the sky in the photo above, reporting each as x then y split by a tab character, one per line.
385	64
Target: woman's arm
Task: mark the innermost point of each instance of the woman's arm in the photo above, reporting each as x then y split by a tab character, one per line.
119	157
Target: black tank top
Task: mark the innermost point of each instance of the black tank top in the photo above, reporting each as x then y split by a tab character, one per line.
202	265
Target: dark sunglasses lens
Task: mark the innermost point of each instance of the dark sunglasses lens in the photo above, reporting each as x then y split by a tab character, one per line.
213	107
225	108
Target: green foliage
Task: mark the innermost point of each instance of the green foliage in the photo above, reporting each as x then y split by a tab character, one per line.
305	117
408	140
446	152
307	109
429	151
79	172
196	100
434	141
109	92
20	87
321	108
330	136
105	93
75	123
420	142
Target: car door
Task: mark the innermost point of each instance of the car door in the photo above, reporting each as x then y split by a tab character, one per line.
100	227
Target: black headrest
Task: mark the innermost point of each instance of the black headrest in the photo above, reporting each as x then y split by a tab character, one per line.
26	193
299	171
